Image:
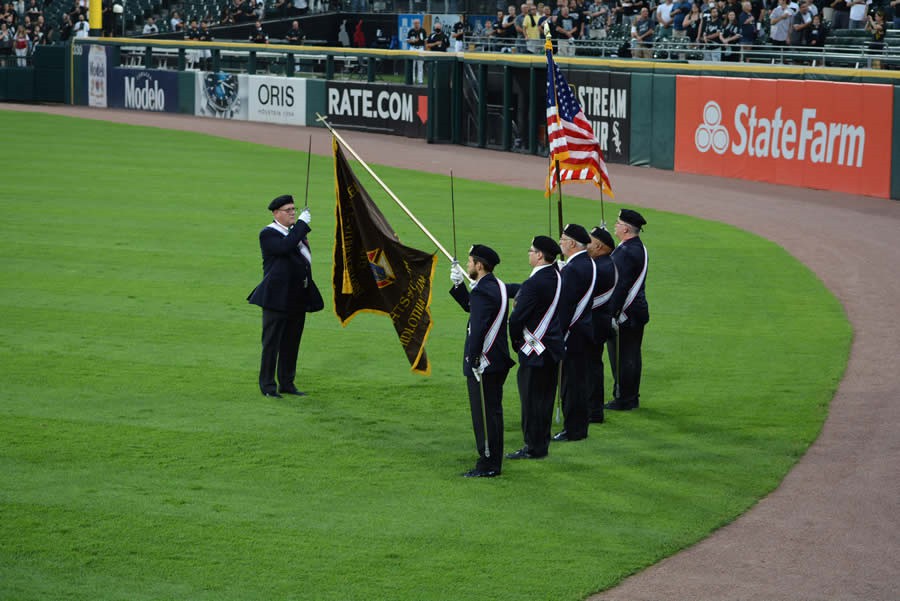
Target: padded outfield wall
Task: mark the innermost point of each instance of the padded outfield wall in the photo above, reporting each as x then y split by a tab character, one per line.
833	129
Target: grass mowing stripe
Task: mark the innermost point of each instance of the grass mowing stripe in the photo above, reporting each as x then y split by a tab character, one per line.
138	460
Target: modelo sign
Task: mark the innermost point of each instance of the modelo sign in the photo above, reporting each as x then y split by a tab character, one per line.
277	99
389	109
804	133
144	90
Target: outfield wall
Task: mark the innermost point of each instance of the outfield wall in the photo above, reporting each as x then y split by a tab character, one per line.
831	129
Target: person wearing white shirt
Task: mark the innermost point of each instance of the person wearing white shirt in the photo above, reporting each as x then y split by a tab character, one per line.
150	27
858	11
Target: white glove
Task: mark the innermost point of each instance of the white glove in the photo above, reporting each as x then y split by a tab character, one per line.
456	275
304	216
615	325
560	264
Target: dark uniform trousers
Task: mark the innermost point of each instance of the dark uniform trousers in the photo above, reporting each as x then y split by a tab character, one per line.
596	360
281	333
537	390
576	383
627	373
490	392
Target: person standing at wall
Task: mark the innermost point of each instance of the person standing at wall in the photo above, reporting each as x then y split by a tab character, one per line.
416	40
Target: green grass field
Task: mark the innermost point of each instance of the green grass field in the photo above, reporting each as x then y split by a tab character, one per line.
139	461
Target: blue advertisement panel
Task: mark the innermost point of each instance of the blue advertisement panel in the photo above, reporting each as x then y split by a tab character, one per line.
143	90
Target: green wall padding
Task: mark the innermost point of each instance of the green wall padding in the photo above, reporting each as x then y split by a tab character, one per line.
641	118
315	101
662	145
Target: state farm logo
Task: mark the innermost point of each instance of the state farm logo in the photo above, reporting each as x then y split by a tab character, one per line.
756	133
711	134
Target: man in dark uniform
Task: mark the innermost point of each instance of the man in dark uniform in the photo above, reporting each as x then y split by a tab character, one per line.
486	362
258	36
416	40
437	41
286	293
631	311
576	380
535	334
599	249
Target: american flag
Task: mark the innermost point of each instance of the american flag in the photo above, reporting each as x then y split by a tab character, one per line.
572	140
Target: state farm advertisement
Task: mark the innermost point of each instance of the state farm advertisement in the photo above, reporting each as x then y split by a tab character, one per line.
816	134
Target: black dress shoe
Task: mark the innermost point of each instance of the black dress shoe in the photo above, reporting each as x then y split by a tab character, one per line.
561	437
524	453
271	395
619	405
480	473
294	392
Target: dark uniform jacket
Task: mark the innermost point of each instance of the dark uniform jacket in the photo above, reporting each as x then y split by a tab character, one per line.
287	283
487	323
534	300
630	258
577	280
602	303
416	39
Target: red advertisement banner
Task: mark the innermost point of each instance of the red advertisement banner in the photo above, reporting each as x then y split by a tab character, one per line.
816	134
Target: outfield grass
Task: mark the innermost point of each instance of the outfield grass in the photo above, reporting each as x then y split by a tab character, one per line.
139	461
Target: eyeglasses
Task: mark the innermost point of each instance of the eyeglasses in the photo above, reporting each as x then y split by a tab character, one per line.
531	250
290	210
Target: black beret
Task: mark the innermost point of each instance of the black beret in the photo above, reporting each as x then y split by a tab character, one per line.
577	233
632	218
485	253
279	202
546	245
603	236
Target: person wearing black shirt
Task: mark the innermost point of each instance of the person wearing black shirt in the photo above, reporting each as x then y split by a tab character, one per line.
437	41
459	32
416	41
259	36
295	34
600	250
711	36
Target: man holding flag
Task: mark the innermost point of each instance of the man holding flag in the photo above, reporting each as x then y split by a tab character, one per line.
486	361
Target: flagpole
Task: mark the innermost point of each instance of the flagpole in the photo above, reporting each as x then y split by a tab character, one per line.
559	210
308	161
390	193
453	214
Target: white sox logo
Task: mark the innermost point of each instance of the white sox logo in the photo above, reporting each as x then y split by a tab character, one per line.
711	134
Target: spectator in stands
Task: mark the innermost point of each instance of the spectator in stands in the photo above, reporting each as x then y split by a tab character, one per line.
41	32
680	11
567	30
895	8
840	17
693	24
6	42
799	24
642	31
437	41
65	28
150	27
780	23
508	27
175	23
107	18
295	35
731	38
859	9
816	34
711	36
21	42
519	25
81	28
258	36
665	21
485	36
875	25
748	25
597	19
226	17
533	33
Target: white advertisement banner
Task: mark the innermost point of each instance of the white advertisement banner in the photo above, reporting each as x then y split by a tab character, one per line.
221	95
276	99
97	76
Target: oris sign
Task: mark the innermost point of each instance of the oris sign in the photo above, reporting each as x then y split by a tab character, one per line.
805	133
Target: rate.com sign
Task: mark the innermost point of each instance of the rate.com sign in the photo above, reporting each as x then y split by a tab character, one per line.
816	134
383	108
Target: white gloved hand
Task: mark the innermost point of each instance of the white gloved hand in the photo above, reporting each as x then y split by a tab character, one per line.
615	325
304	216
560	264
456	274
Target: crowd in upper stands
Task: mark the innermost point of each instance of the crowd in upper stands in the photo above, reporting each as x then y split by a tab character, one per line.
713	29
710	29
